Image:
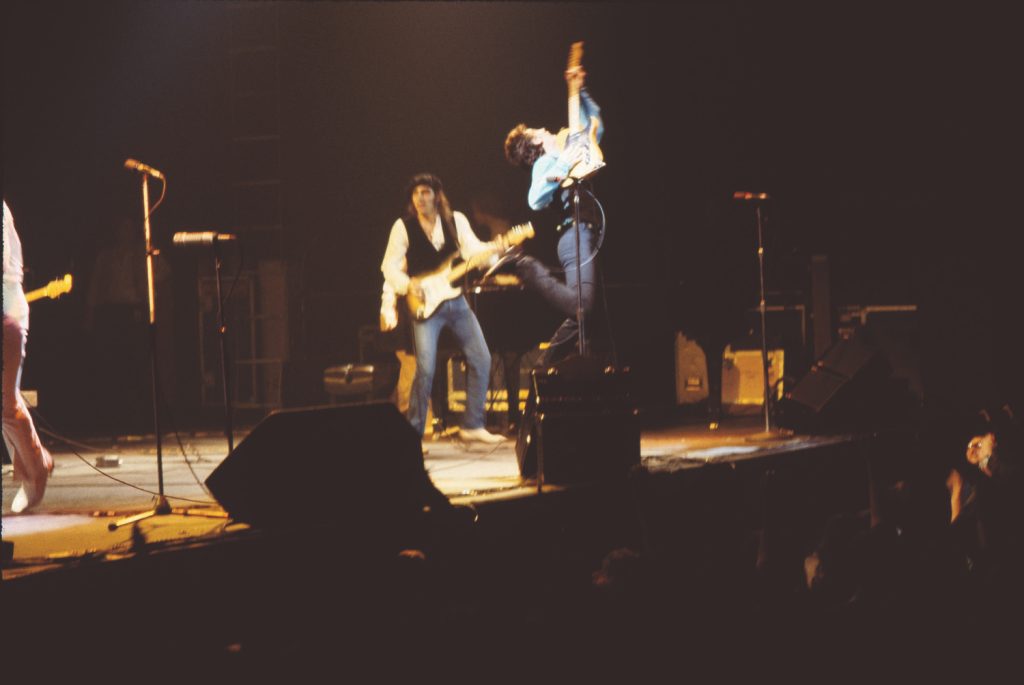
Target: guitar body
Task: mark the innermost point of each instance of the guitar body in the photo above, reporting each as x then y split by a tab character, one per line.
593	158
436	289
438	285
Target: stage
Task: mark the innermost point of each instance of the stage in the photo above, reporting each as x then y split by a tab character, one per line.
97	483
508	558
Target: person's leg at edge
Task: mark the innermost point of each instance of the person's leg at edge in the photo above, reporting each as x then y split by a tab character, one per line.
32	462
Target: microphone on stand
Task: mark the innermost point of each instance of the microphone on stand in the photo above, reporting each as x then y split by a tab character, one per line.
746	196
136	165
186	238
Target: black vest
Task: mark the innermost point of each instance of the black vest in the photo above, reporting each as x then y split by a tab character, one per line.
421	255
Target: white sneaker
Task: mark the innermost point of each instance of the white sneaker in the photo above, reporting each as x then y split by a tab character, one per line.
20	502
28	496
480	435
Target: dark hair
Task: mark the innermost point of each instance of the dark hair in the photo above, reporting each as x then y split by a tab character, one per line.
424	179
444	208
520	150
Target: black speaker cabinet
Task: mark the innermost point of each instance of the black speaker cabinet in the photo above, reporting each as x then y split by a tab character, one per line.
580	423
357	466
848	389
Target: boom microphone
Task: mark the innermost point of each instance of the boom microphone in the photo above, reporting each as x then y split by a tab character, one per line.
185	238
136	165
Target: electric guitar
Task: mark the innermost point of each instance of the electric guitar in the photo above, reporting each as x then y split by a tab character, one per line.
52	290
438	285
577	134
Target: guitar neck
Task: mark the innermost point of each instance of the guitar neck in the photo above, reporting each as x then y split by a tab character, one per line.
515	236
52	290
459	270
574	110
575	62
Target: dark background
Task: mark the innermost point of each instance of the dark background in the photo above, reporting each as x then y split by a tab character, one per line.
882	133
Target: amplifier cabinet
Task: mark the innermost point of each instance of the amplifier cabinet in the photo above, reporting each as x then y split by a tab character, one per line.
581	423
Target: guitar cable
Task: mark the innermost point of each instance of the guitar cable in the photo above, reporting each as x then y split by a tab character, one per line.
163	194
47	429
600	232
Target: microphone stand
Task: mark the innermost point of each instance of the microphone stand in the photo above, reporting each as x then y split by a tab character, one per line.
764	332
581	343
768	432
221	334
160	507
576	226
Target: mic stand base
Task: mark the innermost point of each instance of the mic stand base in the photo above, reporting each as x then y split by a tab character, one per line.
162	508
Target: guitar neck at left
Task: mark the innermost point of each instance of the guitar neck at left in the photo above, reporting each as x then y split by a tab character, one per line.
52	290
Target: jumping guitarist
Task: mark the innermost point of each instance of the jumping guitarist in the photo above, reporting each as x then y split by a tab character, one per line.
556	161
422	242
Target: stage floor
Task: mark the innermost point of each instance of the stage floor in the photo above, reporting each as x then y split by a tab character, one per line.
96	483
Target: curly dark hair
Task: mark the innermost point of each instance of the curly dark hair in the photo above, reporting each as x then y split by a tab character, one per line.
520	150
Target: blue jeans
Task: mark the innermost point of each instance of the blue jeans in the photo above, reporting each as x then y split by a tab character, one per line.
563	296
457	315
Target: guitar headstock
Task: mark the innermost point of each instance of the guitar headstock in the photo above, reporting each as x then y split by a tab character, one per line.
58	287
517	234
575	56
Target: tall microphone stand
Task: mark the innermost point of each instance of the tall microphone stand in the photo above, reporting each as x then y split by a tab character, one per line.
160	507
757	198
764	330
581	344
221	334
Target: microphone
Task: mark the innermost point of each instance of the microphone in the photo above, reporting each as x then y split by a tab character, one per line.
748	196
136	165
186	238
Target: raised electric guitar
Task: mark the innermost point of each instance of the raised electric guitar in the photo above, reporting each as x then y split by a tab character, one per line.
52	290
438	285
578	134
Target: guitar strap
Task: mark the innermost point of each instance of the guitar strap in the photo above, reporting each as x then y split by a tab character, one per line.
453	235
449	229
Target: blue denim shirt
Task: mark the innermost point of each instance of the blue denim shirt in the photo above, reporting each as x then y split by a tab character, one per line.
542	190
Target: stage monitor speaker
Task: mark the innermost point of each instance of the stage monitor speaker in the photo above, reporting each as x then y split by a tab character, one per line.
580	417
848	389
356	466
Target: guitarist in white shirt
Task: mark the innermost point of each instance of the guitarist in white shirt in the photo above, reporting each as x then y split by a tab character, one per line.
422	241
32	462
